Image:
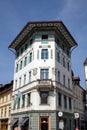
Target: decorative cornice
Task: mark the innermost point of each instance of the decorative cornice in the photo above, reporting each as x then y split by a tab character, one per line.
31	27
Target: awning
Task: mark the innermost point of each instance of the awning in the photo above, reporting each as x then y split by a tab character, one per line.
14	122
23	121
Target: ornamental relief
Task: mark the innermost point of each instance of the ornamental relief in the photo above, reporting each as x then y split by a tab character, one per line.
54	71
34	71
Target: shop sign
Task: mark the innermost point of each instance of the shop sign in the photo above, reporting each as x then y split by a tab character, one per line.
76	115
60	114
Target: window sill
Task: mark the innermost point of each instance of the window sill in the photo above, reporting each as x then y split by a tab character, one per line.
44	104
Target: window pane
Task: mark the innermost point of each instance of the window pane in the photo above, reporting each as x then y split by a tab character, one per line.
65	101
44	37
30	57
59	99
23	101
44	73
24	79
21	65
44	54
44	96
25	61
30	76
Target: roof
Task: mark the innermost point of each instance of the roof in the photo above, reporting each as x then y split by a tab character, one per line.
85	62
30	27
6	87
76	79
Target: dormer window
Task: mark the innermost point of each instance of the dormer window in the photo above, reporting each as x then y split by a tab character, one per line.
44	39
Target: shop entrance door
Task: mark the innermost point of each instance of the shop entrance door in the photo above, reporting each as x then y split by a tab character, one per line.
44	123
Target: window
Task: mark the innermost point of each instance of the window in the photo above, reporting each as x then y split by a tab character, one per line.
68	67
70	103
23	101
17	68
65	101
44	97
58	57
64	80
29	76
18	104
28	99
26	46
44	74
2	112
44	37
21	65
63	61
5	111
30	57
68	82
9	111
21	50
17	54
24	79
20	82
59	99
31	41
15	84
25	61
58	76
44	54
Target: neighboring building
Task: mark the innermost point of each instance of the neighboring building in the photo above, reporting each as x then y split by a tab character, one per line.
85	68
5	105
79	104
42	89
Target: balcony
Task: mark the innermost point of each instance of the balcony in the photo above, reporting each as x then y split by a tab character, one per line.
44	84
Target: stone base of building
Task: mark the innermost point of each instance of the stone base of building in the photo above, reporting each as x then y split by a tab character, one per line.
42	120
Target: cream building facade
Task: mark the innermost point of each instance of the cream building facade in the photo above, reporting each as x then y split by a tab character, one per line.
42	90
5	105
79	104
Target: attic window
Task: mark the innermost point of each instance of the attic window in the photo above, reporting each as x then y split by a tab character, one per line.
44	37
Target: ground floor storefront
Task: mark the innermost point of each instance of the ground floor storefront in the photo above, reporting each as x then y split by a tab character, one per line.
42	120
4	124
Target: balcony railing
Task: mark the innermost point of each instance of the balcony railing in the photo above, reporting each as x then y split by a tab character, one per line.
44	83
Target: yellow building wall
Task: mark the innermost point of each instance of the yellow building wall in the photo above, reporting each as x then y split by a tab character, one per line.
5	109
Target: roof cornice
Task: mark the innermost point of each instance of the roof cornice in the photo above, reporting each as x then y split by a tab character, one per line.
60	27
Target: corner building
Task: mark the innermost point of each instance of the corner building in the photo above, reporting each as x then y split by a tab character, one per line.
42	89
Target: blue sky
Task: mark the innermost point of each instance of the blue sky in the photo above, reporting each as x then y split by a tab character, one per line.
15	14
